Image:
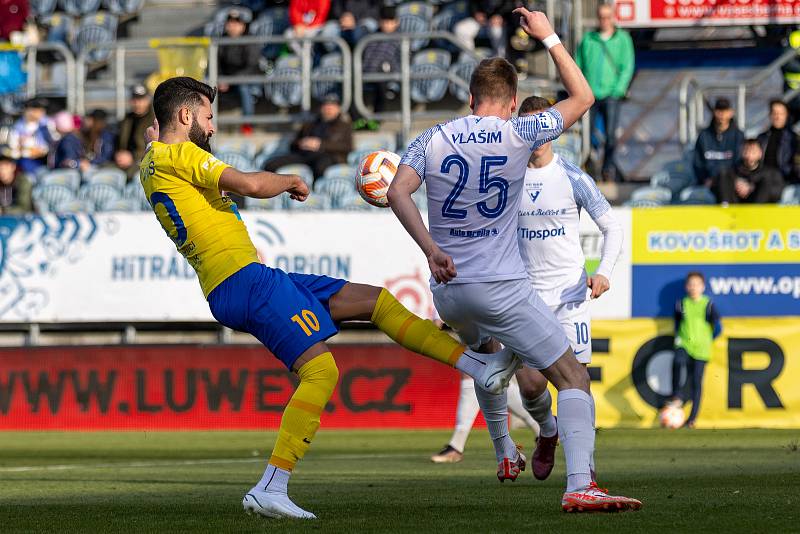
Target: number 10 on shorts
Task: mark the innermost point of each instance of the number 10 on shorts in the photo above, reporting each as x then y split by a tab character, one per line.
581	333
307	322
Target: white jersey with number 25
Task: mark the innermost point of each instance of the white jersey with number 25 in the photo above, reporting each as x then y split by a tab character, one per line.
474	169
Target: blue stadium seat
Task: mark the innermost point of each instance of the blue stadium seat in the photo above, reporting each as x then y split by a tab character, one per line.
463	70
697	195
429	62
122	205
69	178
353	202
337	185
376	141
116	178
40	8
216	26
321	88
418	9
355	156
74	205
643	203
99	194
282	86
449	14
660	195
135	192
264	204
333	58
237	160
60	27
46	197
568	146
304	171
78	8
124	7
791	195
98	29
411	23
271	21
314	202
432	56
270	150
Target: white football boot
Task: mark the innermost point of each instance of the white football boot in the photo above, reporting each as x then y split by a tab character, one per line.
273	504
498	368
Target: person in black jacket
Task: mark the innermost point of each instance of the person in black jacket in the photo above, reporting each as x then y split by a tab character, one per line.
779	143
749	182
719	146
239	60
357	18
487	20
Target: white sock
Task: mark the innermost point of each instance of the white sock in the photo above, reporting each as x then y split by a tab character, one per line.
471	364
274	480
466	412
495	412
594	426
541	408
577	435
516	407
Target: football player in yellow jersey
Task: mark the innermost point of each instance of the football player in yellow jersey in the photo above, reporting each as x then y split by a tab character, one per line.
291	314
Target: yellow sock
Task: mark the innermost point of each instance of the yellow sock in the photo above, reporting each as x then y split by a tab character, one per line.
414	333
300	419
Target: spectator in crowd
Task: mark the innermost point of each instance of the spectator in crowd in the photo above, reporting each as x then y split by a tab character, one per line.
13	14
750	181
15	188
697	324
320	143
130	141
357	18
719	146
69	152
98	139
779	143
239	60
306	17
30	138
607	60
487	20
12	77
381	57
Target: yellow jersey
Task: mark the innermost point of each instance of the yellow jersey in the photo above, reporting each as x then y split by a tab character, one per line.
181	182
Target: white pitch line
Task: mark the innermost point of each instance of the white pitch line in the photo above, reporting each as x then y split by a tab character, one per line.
124	465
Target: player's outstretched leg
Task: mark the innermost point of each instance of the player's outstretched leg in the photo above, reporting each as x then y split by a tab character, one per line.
537	400
510	461
318	376
362	302
576	433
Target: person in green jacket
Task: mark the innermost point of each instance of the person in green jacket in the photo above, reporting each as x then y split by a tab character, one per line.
697	324
606	58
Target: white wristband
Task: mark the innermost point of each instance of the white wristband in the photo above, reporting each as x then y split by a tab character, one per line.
551	40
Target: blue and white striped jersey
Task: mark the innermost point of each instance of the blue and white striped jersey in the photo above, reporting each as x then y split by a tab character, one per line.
549	217
474	168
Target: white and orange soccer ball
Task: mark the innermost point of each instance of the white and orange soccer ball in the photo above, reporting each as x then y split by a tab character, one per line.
374	176
672	417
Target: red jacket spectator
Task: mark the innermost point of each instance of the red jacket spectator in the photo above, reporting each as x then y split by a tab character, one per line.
12	17
309	13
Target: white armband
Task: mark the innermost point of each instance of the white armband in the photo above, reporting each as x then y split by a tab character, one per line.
551	40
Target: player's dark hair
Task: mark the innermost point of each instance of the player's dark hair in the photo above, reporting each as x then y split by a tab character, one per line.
493	79
697	274
175	93
533	104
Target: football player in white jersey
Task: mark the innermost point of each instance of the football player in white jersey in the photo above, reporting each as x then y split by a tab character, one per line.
474	170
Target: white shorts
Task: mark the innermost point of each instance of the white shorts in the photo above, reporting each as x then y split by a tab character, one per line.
509	311
577	324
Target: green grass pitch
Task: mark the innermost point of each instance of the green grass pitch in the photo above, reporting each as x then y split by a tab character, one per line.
382	481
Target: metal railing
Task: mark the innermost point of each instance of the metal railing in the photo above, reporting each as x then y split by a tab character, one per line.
692	105
33	87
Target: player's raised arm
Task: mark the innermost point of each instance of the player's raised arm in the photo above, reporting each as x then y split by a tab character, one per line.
580	98
405	182
263	184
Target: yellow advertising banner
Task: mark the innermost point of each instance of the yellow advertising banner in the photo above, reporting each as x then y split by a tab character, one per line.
752	380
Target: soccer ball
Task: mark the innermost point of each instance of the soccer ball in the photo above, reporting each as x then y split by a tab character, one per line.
672	417
374	176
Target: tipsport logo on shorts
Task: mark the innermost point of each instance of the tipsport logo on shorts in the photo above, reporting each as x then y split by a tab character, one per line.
749	255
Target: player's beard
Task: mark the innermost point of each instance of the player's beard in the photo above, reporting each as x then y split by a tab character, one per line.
199	137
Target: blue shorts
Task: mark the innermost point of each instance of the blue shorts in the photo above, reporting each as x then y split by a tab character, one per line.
287	313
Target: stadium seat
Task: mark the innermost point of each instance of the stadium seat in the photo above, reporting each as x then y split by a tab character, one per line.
134	191
124	7
463	70
431	88
40	8
661	195
69	178
99	194
264	204
272	21
74	205
314	202
78	8
334	58
355	156
321	88
98	29
46	197
568	146
791	195
122	205
418	9
304	171
697	195
282	86
60	27
216	26
448	15
642	203
337	185
237	160
116	178
376	141
270	150
414	23
353	202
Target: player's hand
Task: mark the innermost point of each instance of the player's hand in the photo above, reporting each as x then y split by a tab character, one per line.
534	23
599	285
442	267
298	190
151	133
